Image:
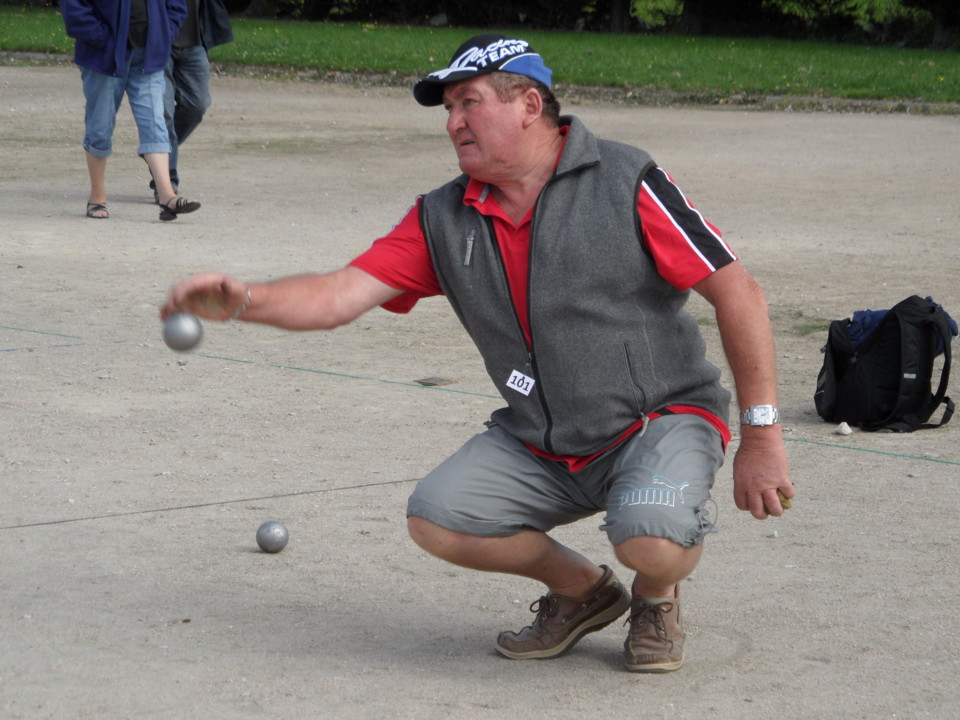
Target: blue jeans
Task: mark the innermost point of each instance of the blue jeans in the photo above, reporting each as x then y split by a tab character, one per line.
104	94
186	98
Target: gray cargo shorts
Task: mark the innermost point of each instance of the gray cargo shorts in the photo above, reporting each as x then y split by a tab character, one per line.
655	484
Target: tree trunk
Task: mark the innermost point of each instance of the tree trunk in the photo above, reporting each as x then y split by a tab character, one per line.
620	15
691	19
943	36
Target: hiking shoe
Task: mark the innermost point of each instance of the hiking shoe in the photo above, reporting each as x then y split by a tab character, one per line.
561	621
654	643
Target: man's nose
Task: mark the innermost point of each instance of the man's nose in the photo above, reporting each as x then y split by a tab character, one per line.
454	121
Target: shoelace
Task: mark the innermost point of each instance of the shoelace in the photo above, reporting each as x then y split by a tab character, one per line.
650	615
544	607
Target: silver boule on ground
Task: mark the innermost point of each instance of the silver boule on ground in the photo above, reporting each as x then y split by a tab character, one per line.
272	536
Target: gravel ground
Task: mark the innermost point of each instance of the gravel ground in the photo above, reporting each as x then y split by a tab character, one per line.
133	479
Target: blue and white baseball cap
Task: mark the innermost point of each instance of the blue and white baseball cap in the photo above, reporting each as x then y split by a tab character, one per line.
480	55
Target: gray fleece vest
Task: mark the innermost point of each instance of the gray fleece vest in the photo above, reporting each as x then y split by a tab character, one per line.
610	339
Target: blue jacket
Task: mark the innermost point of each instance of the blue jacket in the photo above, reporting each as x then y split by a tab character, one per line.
100	28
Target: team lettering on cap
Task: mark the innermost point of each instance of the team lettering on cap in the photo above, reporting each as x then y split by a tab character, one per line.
476	58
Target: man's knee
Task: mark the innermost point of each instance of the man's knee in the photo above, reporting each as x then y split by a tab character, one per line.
656	555
433	538
450	545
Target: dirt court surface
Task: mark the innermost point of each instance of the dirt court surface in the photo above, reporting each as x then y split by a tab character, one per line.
133	479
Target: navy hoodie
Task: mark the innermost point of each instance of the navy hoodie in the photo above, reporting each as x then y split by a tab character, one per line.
100	28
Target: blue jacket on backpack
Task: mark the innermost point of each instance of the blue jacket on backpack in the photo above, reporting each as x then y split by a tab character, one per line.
100	28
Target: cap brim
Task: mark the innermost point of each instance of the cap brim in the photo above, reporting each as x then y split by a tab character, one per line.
429	91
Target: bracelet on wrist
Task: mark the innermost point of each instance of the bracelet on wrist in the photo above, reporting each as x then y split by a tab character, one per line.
243	308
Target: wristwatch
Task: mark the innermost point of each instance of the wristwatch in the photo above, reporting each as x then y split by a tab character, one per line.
760	415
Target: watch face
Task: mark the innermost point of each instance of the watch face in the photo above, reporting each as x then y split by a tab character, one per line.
763	416
760	415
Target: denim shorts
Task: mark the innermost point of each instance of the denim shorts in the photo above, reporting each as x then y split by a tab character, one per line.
656	484
104	94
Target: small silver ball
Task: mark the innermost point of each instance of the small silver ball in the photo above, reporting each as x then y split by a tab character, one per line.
272	536
182	331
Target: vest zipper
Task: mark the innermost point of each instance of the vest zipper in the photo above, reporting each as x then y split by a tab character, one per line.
531	367
531	356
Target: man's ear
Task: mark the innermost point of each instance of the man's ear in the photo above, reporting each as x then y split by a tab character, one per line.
532	106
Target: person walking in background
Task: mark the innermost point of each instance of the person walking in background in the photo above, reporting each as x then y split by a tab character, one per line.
187	95
122	47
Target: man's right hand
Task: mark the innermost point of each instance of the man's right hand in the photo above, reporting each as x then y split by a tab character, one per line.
212	296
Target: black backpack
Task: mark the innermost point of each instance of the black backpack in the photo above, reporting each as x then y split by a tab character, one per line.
884	382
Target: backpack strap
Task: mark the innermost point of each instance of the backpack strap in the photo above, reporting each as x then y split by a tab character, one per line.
837	353
912	422
941	395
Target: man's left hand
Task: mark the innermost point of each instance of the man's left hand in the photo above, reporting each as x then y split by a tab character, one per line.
759	471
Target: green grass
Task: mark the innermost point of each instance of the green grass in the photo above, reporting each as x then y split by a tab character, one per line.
710	68
811	327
